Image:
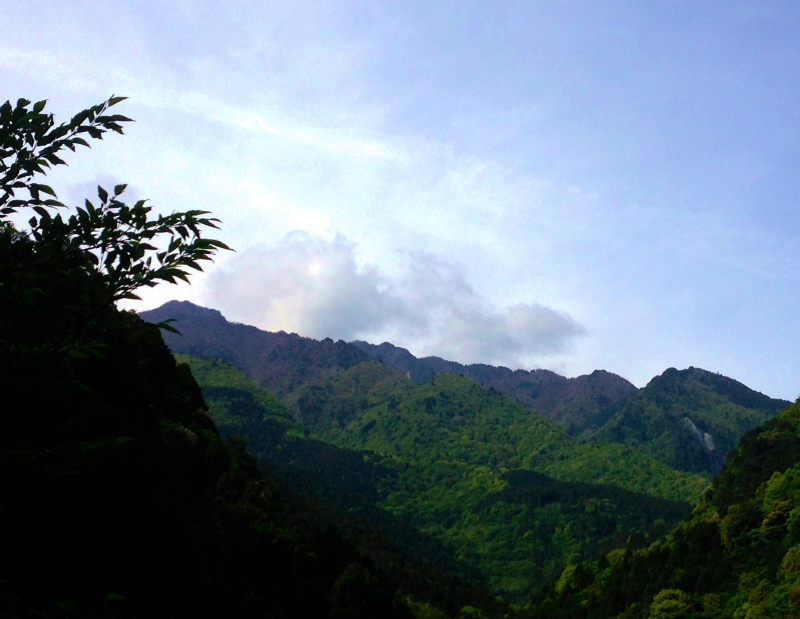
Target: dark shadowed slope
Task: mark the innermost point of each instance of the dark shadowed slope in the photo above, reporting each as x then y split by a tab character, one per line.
120	500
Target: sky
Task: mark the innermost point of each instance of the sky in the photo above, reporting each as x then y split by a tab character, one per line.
569	185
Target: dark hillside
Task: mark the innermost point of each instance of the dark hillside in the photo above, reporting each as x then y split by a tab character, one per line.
117	463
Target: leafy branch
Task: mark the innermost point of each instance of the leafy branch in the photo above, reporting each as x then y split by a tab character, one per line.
126	245
30	142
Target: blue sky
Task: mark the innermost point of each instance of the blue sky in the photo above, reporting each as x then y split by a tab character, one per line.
568	185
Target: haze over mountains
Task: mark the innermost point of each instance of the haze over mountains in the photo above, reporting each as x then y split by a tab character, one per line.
687	419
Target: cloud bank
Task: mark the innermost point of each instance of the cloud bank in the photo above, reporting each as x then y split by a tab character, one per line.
315	287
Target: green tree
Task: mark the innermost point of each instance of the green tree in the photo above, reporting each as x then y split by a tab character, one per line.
62	269
124	246
671	604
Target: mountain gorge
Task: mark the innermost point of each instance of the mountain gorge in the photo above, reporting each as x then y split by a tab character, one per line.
503	497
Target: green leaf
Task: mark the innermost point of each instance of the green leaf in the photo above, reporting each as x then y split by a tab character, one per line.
112	119
55	160
216	243
128	295
44	189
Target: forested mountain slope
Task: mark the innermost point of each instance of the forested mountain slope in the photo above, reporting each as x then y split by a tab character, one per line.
345	485
687	419
507	497
738	555
573	403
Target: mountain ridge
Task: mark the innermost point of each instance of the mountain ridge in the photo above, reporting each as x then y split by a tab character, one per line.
659	420
570	402
206	332
688	419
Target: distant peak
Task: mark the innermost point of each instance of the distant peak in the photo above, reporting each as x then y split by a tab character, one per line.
181	309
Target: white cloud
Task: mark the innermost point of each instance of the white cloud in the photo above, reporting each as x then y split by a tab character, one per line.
315	287
303	284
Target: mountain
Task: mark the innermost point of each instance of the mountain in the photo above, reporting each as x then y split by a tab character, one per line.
460	477
505	497
688	419
344	485
280	362
737	555
325	385
573	403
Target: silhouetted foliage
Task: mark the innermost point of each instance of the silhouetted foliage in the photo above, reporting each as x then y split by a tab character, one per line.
119	498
